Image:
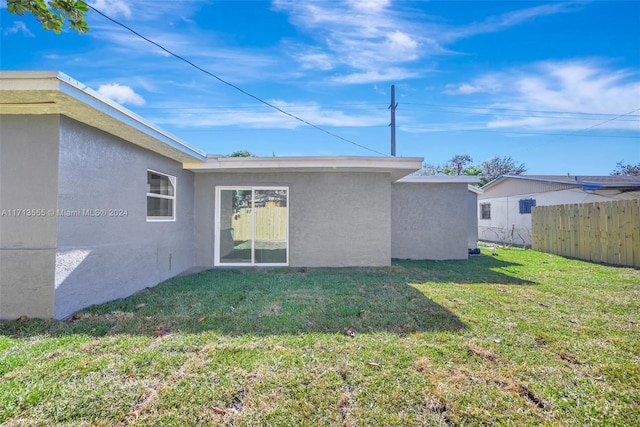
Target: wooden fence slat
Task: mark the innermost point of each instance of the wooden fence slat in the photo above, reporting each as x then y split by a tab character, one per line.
627	243
635	231
606	232
271	223
595	234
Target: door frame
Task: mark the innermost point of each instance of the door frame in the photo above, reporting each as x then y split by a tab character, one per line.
217	223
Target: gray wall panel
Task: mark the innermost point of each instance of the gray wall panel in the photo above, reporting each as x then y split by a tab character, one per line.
100	258
335	218
28	180
429	221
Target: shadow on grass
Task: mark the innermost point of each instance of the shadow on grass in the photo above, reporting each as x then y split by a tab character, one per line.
281	302
479	269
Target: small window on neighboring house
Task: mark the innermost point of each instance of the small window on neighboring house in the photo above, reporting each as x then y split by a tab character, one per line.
485	210
161	196
526	205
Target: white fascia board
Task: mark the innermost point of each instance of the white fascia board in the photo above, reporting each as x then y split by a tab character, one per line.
76	100
396	166
437	179
475	189
117	111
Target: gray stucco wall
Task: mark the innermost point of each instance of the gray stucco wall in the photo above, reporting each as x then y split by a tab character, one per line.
28	180
429	221
115	254
335	218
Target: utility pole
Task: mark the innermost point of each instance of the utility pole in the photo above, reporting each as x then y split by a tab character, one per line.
392	107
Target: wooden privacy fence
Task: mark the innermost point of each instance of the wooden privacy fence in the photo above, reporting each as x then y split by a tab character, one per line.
271	223
607	232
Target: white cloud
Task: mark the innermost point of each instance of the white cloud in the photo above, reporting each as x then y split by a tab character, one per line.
369	5
360	39
316	61
463	89
263	117
363	39
113	8
393	74
121	94
18	27
506	20
401	46
570	95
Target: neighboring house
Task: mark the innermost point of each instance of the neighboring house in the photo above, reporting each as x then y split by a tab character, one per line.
96	204
505	207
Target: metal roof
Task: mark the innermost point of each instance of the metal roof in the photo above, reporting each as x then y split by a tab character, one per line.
587	182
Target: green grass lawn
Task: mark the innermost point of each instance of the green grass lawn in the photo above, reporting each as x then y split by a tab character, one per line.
520	338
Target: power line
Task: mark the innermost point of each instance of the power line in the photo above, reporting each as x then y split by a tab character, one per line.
610	120
304	108
221	80
521	132
519	110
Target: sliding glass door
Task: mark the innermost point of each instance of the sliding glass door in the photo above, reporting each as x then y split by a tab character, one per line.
252	226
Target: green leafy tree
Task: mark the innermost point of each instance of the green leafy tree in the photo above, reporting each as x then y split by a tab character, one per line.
626	170
53	14
472	171
241	153
491	169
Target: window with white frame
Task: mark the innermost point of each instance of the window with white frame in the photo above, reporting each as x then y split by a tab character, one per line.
485	210
161	196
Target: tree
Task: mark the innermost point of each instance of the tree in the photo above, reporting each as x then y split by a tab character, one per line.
626	170
491	169
241	153
457	164
52	14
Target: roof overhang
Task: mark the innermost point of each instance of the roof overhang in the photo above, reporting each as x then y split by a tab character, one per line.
52	92
397	167
440	179
474	189
588	183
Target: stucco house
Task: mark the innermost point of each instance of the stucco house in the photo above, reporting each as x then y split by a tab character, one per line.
506	203
96	203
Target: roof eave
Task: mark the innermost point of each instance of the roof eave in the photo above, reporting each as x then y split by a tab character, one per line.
438	179
51	92
397	167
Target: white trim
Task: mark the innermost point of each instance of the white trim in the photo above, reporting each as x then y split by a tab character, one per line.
174	183
440	179
53	92
253	189
475	189
396	167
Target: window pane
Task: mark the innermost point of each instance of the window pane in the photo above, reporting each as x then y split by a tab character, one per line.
485	211
526	205
270	226
159	184
157	207
235	226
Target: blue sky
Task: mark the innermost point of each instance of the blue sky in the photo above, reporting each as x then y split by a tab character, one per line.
554	85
